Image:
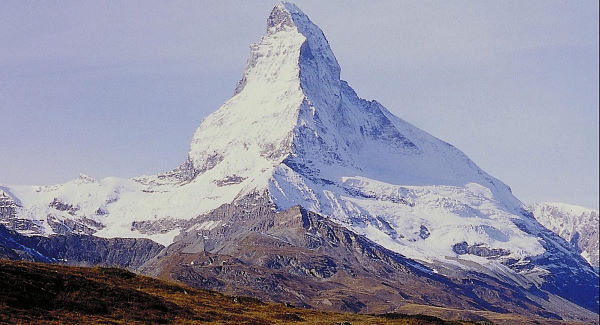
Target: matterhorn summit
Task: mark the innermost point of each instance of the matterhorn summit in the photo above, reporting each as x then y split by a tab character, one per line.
294	133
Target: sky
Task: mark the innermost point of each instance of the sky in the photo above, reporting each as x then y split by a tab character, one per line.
117	88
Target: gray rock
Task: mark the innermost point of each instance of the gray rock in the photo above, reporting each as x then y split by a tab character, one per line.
77	249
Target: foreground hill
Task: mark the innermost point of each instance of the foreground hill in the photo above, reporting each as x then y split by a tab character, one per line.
47	293
57	294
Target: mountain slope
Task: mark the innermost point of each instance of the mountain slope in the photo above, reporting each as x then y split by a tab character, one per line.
576	224
52	294
301	257
76	249
295	134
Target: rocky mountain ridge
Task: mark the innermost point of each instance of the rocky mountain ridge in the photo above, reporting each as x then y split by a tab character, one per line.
80	250
303	258
577	225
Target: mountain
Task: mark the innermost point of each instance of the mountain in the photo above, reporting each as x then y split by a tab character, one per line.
576	224
389	196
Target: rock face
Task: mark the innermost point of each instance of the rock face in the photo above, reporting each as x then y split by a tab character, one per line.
7	207
576	224
301	257
77	249
381	181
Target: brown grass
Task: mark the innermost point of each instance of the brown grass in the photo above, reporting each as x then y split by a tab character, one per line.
34	293
493	317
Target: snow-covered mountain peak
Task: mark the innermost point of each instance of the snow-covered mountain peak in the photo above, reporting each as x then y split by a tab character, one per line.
290	106
292	134
279	19
289	71
297	132
287	25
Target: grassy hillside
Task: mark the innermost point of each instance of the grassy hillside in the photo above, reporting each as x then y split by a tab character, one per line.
36	293
54	294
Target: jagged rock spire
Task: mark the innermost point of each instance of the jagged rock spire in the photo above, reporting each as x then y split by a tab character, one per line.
291	68
279	19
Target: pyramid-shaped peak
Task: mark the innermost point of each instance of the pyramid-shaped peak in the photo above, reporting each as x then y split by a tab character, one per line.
286	15
280	18
293	47
282	15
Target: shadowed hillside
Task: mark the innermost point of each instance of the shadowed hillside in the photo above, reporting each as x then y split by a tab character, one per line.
55	294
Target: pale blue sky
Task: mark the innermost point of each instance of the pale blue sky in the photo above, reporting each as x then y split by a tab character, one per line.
117	88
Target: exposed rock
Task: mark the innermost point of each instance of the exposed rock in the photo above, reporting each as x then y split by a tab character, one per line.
577	225
161	226
69	226
229	180
77	249
184	173
61	206
479	250
424	232
7	207
299	257
23	225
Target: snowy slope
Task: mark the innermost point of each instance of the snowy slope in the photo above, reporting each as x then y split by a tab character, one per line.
576	224
295	132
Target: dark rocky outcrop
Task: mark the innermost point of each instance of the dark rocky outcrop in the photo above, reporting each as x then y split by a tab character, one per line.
77	249
479	250
61	206
7	207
